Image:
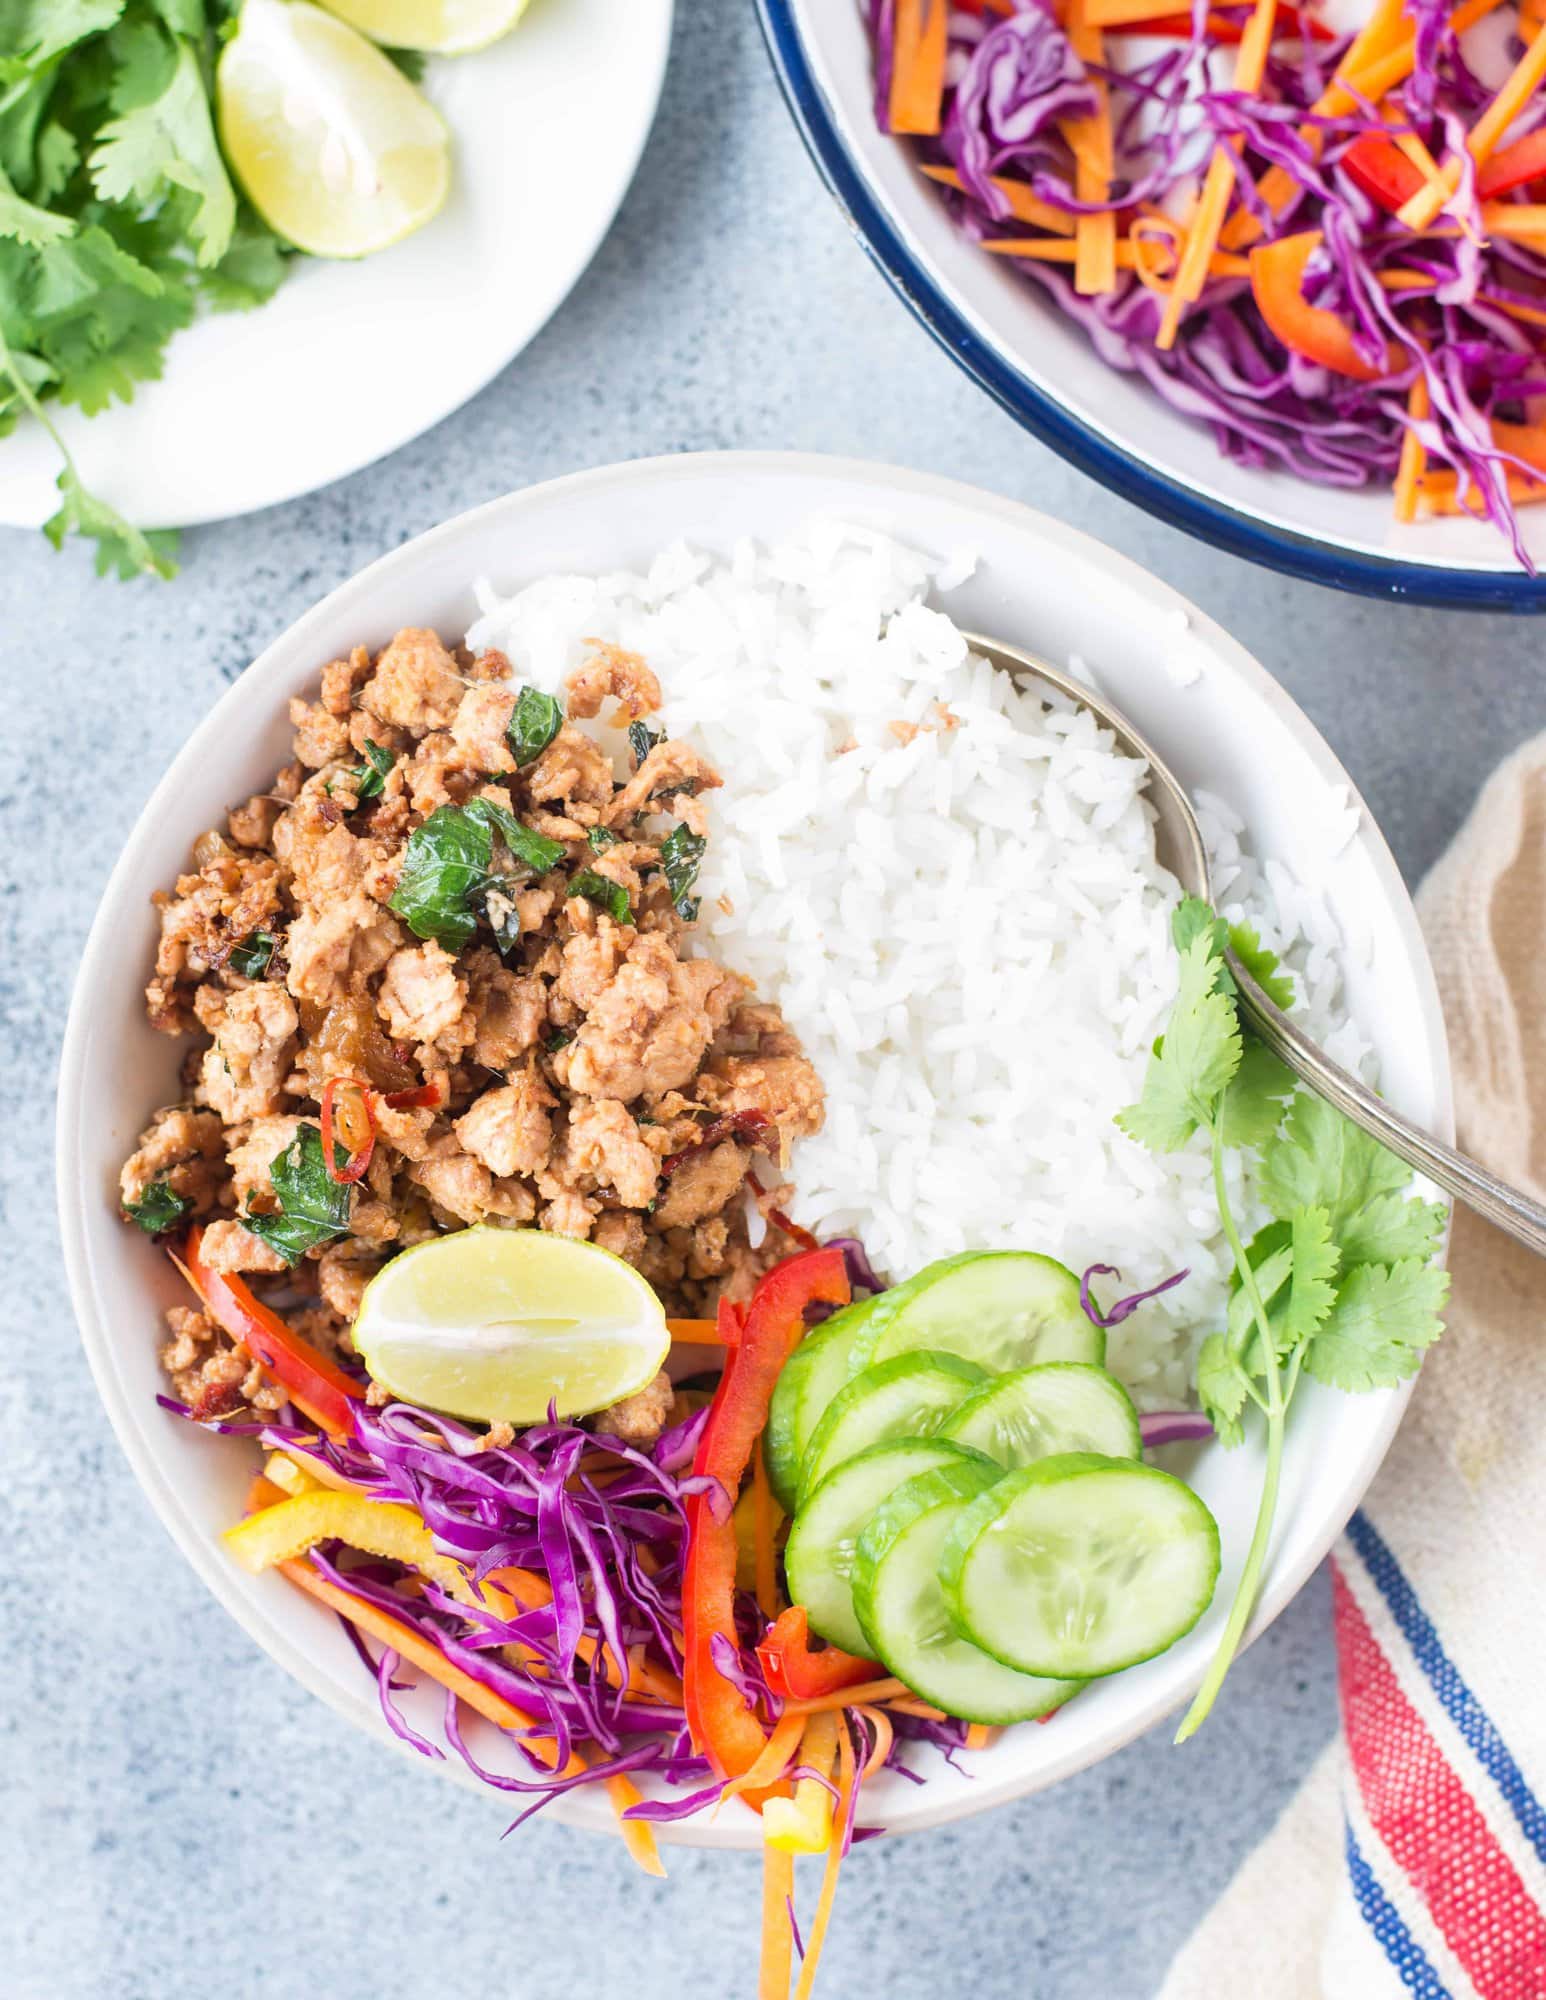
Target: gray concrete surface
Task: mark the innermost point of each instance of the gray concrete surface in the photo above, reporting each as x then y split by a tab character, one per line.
176	1818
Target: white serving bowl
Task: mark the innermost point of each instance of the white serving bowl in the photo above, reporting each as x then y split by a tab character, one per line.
1039	584
1006	332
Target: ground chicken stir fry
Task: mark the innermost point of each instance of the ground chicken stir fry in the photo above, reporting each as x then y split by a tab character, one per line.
455	899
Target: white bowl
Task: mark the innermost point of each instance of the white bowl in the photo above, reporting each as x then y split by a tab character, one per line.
1006	332
1038	583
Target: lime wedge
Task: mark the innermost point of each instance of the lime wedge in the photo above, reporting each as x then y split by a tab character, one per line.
334	147
439	27
498	1323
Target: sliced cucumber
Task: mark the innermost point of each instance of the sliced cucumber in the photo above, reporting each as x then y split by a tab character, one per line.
1033	1413
1077	1566
819	1559
910	1397
1002	1309
811	1377
901	1609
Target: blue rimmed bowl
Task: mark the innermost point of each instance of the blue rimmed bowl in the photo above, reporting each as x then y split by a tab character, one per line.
1011	338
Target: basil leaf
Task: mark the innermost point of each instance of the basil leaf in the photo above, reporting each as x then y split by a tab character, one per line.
446	863
600	838
498	908
535	849
534	722
251	957
371	775
157	1208
610	896
681	851
559	1039
313	1208
642	740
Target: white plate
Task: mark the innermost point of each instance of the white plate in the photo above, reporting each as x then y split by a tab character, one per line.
1039	583
348	361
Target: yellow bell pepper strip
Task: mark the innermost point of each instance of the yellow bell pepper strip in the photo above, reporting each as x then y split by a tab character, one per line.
315	1384
803	1824
285	1473
376	1527
723	1727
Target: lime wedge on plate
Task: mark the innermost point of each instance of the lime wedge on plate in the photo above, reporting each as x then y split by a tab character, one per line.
438	27
332	144
498	1323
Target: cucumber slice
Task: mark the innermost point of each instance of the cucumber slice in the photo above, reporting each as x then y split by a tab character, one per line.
811	1377
1078	1566
1034	1413
910	1397
901	1608
820	1556
1002	1309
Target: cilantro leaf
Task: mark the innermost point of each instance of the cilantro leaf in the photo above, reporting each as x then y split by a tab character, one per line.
170	142
33	227
34	32
1193	1063
1322	1160
1254	1103
610	896
1221	1388
1383	1318
1390	1227
313	1207
1312	1291
681	853
1262	965
534	722
250	272
157	1208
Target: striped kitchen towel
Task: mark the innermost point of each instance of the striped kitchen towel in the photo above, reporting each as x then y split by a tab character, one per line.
1413	1860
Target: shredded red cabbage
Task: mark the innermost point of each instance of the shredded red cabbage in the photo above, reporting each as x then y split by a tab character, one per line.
1010	82
1174	1427
1124	1308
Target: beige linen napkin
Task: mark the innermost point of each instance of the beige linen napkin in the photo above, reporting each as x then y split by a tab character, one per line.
1413	1859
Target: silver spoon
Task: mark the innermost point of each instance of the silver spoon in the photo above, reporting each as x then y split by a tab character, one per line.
1179	842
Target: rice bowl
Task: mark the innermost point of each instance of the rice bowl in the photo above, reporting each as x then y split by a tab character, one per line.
573	529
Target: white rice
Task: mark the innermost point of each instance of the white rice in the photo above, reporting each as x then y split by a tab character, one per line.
968	930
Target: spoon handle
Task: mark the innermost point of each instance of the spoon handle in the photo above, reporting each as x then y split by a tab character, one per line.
1514	1213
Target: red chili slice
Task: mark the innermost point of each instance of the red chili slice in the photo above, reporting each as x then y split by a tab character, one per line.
740	1124
360	1155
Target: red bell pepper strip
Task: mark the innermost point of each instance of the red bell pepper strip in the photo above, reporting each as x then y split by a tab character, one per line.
323	1391
723	1727
1277	281
1291	22
1382	170
1512	166
794	1671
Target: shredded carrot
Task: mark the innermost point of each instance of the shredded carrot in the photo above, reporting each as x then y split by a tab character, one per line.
1483	136
1530	315
531	1592
1203	236
1127	256
1023	206
977	1736
1090	137
1413	457
764	1560
847	1780
263	1493
885	1736
695	1332
886	1690
918	65
773	1761
923	1710
638	1834
1119	13
777	1961
1439	493
1514	219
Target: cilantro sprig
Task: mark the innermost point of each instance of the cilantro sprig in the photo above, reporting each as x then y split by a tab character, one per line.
1339	1285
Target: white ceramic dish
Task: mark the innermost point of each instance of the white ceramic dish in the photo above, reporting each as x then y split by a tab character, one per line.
1038	583
348	361
1005	331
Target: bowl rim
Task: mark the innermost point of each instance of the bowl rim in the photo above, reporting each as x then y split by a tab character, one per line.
1123	472
201	1551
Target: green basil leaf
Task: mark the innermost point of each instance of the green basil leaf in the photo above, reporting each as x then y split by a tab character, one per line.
446	864
534	722
559	1039
681	852
251	957
642	740
157	1208
313	1208
600	838
534	849
371	775
609	896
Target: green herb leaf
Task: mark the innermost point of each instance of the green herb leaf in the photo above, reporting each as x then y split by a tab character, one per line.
1312	1291
170	142
29	225
600	838
1321	1160
1256	1099
157	1208
642	740
1262	965
681	852
1193	1063
534	722
1390	1227
409	61
313	1207
609	896
1221	1388
534	849
1383	1318
447	862
251	957
370	776
560	1038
